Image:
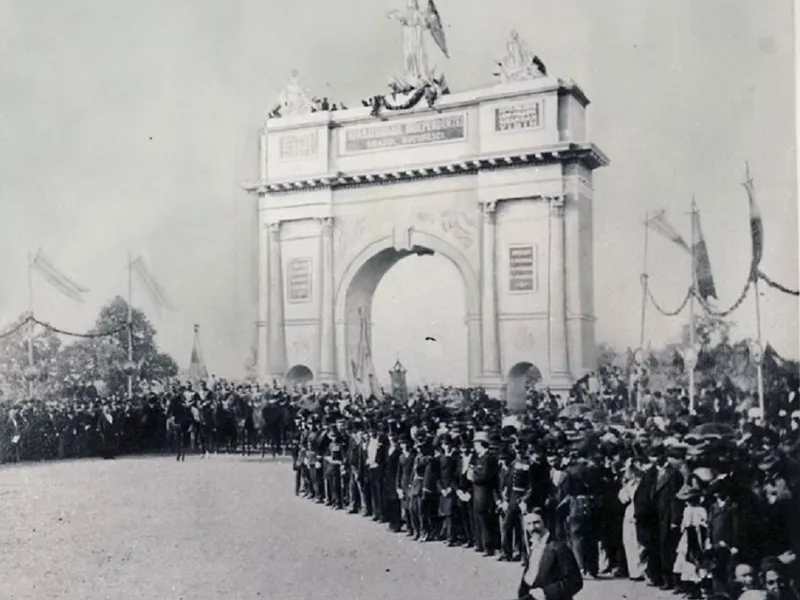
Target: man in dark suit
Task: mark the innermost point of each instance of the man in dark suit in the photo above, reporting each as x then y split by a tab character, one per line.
669	481
646	516
484	478
405	477
448	480
391	500
550	571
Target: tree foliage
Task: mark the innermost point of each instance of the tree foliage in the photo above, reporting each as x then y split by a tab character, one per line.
14	360
84	360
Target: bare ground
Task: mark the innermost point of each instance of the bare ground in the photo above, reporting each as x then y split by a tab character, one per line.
225	527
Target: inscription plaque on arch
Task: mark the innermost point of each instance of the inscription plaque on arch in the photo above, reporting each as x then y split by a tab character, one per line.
299	280
446	128
518	117
521	267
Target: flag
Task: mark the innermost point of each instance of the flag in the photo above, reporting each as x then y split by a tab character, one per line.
436	27
703	278
659	224
151	286
364	377
756	226
57	278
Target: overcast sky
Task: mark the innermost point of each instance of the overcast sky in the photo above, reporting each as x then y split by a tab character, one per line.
128	126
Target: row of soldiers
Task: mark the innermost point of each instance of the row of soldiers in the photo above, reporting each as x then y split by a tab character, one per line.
449	485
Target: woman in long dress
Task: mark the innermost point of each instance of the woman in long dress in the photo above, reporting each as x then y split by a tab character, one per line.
634	551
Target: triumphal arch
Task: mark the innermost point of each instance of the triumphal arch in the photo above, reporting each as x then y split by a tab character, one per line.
497	180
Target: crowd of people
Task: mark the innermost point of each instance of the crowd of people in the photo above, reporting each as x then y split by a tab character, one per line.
707	509
705	504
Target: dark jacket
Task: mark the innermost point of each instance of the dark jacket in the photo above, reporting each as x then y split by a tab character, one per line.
392	468
485	481
559	576
448	480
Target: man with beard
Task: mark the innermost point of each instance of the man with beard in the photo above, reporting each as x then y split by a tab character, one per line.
550	572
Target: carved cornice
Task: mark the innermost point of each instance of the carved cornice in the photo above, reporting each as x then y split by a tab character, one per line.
587	154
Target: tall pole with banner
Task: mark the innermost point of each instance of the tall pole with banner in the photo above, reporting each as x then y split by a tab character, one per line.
129	365
690	358
30	373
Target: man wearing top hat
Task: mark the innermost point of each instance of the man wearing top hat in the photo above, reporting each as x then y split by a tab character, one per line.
484	476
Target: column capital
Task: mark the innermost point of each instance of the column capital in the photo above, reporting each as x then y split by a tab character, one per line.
557	204
326	225
489	209
274	227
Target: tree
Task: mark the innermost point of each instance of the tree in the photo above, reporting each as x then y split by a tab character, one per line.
104	357
14	361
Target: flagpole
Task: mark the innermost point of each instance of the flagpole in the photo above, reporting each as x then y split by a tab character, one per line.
644	282
760	361
130	323
692	361
645	288
30	314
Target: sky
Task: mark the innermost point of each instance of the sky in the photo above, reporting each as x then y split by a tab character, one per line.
129	127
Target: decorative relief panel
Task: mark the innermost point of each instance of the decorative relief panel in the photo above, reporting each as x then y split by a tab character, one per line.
347	232
523	338
456	223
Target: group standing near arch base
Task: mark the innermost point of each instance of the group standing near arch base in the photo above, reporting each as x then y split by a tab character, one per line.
705	509
706	506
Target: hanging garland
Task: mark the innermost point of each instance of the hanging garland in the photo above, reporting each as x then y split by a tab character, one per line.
724	313
776	285
15	328
100	334
666	313
408	98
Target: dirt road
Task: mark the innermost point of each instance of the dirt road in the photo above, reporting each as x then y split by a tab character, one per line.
225	527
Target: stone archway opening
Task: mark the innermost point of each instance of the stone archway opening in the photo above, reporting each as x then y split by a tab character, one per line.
415	303
299	375
418	312
520	376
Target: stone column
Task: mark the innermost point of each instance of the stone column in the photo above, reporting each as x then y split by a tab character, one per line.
276	353
560	376
263	302
491	351
327	347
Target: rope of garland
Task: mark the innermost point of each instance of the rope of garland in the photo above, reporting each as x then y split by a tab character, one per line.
99	334
16	327
776	285
666	313
724	313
